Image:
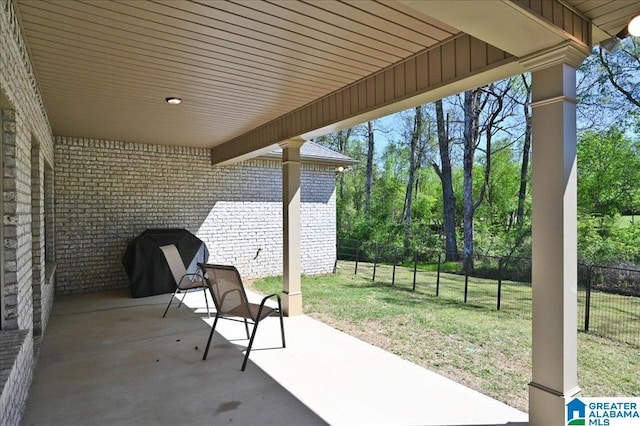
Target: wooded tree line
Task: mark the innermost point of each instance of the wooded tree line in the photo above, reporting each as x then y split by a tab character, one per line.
455	175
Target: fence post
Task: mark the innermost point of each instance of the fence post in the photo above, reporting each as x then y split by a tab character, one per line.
415	268
587	303
357	256
438	277
466	280
375	262
499	281
395	261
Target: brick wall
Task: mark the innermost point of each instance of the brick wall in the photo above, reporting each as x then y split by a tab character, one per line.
16	371
26	299
107	192
318	233
37	235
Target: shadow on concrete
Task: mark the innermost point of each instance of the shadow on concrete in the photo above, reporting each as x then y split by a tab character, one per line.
108	359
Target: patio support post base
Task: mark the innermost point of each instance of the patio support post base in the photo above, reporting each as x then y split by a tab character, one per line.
292	295
292	304
545	404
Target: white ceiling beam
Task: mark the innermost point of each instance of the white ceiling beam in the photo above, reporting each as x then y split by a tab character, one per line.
506	25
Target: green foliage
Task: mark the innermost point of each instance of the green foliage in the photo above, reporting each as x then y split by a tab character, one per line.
496	232
608	173
383	224
601	241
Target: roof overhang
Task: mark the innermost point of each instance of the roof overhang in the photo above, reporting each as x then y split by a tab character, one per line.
253	74
497	39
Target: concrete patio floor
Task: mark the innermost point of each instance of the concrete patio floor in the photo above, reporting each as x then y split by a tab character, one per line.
108	359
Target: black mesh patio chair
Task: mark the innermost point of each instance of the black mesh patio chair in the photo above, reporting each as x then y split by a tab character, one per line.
184	282
230	298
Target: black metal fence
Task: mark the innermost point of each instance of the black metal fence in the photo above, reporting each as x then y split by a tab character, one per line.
608	298
609	302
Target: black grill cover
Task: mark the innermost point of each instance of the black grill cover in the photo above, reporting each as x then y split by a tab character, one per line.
146	266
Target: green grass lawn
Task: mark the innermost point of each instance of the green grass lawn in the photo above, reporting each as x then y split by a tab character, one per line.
473	343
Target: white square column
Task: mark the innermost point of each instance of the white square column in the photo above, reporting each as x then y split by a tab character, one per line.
292	292
555	279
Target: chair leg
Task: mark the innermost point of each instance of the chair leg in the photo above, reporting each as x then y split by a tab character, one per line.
206	301
282	328
246	327
183	296
253	335
170	300
213	328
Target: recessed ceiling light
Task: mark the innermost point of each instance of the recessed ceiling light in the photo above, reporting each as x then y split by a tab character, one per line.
173	101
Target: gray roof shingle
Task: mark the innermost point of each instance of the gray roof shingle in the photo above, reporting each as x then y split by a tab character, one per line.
311	152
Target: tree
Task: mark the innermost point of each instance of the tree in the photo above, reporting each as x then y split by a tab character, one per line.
471	134
369	171
609	87
621	69
524	169
484	113
493	219
386	218
395	200
338	141
448	195
415	159
608	173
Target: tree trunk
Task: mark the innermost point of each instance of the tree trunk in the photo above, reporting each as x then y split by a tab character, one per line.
448	196
342	139
471	133
416	133
369	171
524	169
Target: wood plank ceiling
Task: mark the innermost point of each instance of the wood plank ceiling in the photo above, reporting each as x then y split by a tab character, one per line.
608	16
105	68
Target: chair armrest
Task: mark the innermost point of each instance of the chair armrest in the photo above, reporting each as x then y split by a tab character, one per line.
264	300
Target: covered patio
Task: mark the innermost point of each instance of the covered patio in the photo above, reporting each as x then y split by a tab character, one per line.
97	77
110	359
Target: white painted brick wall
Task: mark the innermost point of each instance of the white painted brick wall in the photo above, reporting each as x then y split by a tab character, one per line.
23	303
318	233
17	346
108	192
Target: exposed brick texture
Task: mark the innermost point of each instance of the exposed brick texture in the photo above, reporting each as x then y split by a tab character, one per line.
108	192
37	234
16	371
27	145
